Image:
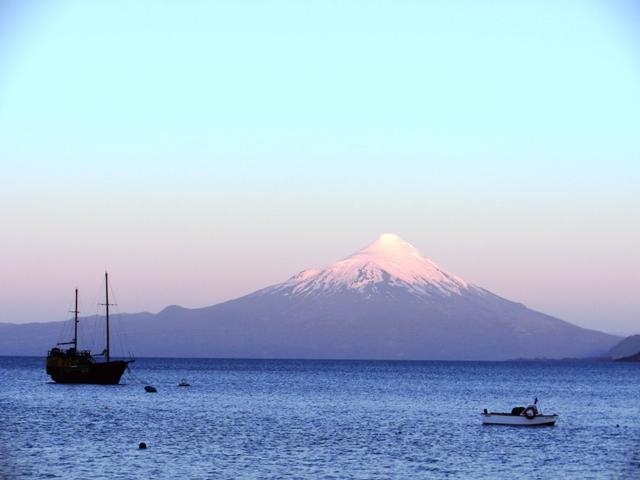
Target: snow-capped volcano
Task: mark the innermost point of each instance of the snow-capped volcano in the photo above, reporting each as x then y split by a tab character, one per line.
386	301
388	267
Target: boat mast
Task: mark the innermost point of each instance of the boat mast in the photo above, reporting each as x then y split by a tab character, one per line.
75	331
106	286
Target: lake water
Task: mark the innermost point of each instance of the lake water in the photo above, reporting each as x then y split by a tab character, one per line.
320	419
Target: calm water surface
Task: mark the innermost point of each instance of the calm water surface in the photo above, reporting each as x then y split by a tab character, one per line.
320	419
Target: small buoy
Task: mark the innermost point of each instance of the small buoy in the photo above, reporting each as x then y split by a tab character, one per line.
142	446
150	389
106	407
617	424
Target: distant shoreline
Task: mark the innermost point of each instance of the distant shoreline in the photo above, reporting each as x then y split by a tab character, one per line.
630	359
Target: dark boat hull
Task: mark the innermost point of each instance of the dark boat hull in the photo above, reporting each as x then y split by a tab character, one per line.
99	373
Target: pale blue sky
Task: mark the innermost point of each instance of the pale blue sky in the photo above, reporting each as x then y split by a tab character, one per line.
203	150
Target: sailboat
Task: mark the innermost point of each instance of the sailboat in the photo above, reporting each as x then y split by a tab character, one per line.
79	366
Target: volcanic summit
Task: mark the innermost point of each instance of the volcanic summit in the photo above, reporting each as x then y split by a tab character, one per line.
389	267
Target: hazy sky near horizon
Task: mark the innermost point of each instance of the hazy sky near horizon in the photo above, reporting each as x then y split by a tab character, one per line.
203	150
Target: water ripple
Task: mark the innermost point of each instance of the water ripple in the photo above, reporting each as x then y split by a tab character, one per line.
314	419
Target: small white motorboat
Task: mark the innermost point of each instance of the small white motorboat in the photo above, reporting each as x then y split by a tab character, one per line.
531	416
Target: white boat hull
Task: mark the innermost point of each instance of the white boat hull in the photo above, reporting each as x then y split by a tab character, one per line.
518	420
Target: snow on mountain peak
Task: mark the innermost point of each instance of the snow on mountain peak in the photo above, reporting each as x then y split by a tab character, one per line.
380	268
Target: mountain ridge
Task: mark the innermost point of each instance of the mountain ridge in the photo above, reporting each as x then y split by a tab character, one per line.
386	301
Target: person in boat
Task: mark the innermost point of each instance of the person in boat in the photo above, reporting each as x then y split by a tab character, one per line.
535	406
